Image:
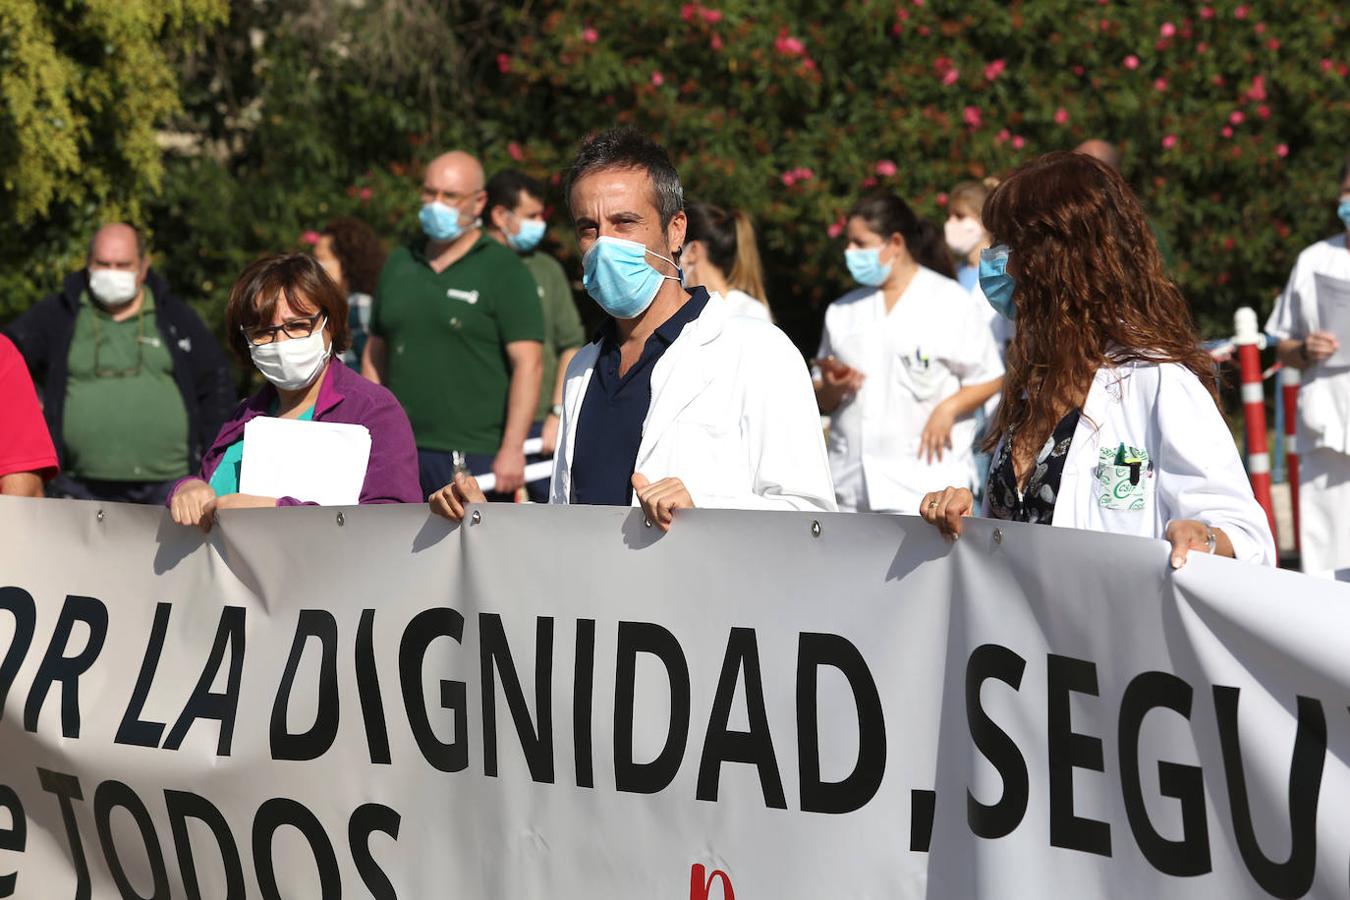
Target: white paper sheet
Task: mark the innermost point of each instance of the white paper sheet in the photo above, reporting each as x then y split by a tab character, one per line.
1333	314
323	462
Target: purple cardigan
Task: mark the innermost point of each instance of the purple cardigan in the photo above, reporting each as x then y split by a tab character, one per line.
345	397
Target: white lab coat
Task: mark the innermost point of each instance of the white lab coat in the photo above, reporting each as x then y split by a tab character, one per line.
1195	471
1323	416
935	340
742	304
732	415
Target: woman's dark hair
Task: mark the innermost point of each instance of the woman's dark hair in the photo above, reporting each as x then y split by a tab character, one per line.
1090	290
359	252
886	214
729	240
308	290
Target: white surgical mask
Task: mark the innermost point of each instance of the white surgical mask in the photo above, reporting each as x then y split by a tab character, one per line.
963	233
294	364
112	287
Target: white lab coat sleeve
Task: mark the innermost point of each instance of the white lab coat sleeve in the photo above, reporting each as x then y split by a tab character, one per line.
979	361
1285	320
1200	474
782	434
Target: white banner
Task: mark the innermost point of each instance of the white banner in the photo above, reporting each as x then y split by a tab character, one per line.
563	703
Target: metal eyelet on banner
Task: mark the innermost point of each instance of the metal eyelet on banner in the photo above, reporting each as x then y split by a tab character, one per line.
341	520
100	515
476	518
998	535
815	528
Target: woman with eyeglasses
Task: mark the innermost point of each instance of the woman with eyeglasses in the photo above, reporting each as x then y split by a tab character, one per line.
288	318
1109	420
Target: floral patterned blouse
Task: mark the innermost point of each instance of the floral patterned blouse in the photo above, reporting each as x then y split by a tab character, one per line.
1037	503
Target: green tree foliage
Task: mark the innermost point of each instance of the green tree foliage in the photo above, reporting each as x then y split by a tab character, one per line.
84	86
1232	117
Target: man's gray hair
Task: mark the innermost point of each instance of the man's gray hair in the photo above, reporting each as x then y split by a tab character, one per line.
629	148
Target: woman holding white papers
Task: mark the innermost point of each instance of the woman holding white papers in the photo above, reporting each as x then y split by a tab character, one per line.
1109	420
1312	321
287	317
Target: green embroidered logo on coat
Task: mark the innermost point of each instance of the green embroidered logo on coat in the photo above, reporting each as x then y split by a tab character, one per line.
1122	473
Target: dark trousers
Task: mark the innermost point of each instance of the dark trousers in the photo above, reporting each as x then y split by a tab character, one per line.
150	493
537	490
437	469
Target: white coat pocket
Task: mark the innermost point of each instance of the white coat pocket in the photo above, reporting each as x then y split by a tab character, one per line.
1123	477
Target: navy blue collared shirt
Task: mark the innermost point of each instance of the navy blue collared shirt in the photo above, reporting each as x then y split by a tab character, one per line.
609	426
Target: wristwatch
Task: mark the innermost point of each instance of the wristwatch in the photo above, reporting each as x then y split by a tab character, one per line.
555	410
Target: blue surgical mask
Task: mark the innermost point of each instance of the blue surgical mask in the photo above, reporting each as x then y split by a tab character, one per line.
440	222
995	281
864	264
528	237
1343	210
617	275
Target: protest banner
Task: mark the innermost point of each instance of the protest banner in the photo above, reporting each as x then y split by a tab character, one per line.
563	703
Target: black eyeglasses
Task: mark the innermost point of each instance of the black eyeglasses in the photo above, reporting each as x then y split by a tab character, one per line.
302	327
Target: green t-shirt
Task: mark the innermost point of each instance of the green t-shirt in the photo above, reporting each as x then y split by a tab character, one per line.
445	335
124	416
562	323
225	479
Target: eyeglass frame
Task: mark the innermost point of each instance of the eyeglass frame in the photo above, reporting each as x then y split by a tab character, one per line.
271	330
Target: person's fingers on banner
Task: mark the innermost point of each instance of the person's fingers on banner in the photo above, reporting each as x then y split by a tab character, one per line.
189	502
451	500
660	500
206	516
945	509
1186	535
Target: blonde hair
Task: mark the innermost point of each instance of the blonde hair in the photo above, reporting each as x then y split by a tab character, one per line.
729	240
972	194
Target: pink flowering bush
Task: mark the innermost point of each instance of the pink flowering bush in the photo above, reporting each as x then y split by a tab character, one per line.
1225	138
1233	119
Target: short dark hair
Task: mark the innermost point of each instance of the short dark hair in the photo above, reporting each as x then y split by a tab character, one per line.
358	251
253	298
504	189
628	148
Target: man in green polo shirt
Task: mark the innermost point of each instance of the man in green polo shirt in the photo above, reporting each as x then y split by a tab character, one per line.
456	333
515	217
134	385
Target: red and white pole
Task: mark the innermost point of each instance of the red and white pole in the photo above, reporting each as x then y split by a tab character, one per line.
1248	342
1289	383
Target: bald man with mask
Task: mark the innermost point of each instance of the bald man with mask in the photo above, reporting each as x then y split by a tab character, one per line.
134	386
456	332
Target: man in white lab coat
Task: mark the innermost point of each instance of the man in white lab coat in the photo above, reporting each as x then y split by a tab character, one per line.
677	403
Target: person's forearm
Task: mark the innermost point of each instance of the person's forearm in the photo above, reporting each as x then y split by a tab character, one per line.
564	360
373	359
1292	353
522	401
21	484
973	396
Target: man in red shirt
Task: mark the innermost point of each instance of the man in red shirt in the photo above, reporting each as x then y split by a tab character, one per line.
27	457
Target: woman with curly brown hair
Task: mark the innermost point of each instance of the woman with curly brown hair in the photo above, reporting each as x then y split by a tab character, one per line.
352	256
1109	420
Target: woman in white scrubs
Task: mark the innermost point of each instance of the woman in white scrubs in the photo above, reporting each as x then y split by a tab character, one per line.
1320	349
1109	420
904	362
721	254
